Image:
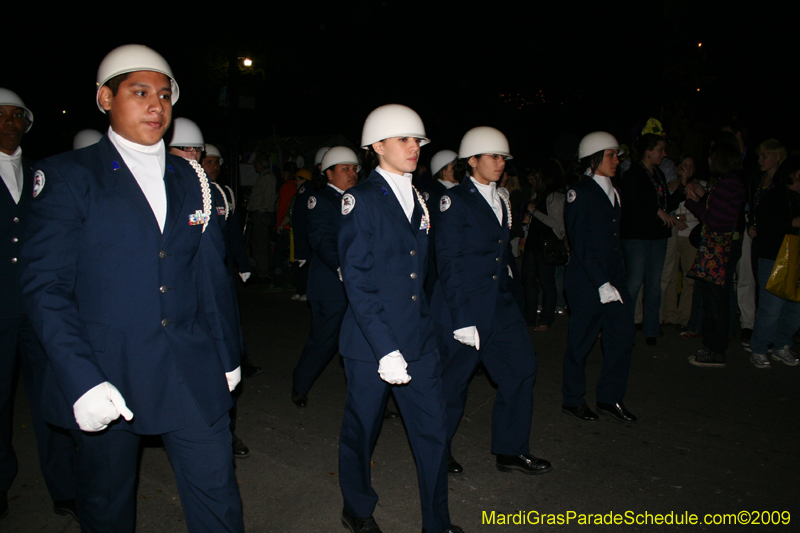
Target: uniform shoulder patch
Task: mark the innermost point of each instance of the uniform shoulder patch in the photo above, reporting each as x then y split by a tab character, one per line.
312	202
348	203
571	195
444	203
38	183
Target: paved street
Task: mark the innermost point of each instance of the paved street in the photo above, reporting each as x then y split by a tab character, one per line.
707	441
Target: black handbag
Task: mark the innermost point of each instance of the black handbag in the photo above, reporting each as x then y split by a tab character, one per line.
554	252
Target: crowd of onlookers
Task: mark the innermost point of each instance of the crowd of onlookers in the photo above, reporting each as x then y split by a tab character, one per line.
736	209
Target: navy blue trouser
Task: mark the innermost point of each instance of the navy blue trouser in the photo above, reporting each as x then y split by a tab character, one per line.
422	405
57	455
201	456
508	357
588	317
322	343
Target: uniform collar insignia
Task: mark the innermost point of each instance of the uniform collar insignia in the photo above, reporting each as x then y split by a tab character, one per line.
385	192
172	170
115	165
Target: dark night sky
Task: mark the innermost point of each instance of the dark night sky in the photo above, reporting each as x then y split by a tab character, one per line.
565	68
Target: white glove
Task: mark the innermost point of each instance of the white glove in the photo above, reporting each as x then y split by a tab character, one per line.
245	276
99	406
609	293
233	377
392	369
339	271
510	274
300	263
468	336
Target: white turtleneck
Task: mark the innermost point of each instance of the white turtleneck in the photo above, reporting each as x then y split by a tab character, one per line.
401	186
11	170
489	192
447	184
147	164
335	188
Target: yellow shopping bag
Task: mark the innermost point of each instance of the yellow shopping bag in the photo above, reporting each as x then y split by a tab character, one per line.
784	281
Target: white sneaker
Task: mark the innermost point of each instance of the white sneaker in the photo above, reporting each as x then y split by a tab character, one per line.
559	310
303	298
786	356
296	297
760	360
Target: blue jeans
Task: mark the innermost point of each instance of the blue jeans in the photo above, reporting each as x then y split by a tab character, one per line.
776	319
644	262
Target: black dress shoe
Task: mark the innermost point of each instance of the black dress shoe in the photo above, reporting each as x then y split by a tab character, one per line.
651	341
617	410
240	451
3	504
453	466
581	412
250	371
389	413
526	464
360	525
66	508
300	400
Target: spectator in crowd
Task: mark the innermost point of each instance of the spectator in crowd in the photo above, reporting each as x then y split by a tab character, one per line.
777	214
645	227
718	210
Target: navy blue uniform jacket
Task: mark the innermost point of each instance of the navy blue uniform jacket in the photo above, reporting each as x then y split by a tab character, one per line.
593	232
302	249
12	218
113	299
324	214
384	261
472	255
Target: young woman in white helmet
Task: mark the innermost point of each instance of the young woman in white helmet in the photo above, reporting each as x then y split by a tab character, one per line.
595	284
387	338
474	304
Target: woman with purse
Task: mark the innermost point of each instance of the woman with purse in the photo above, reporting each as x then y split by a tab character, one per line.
778	214
545	245
718	210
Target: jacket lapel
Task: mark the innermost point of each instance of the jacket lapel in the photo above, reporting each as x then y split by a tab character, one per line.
392	203
480	203
176	195
121	179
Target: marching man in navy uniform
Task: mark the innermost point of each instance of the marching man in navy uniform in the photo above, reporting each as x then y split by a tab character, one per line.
474	307
325	289
595	284
121	253
387	339
56	447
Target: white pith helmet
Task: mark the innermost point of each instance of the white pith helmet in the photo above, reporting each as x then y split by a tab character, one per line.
598	141
484	140
133	58
213	151
339	155
392	120
441	159
186	133
86	138
11	98
320	155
